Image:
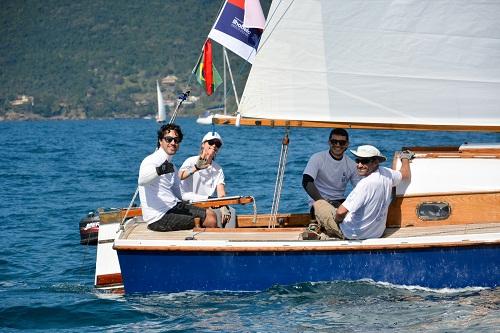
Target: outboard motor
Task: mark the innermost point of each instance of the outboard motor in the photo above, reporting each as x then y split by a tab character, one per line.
89	229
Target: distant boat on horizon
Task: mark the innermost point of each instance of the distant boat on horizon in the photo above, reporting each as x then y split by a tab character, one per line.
206	117
162	115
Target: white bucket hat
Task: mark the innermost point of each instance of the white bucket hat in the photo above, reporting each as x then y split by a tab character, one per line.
368	151
212	135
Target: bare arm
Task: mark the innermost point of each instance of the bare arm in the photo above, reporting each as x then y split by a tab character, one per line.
311	189
221	191
187	172
405	169
340	214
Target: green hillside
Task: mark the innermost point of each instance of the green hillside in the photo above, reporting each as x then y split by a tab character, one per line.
90	59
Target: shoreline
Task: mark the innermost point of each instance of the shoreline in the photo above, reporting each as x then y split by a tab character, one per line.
35	117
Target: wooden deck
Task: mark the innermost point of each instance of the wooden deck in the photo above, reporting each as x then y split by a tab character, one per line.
139	231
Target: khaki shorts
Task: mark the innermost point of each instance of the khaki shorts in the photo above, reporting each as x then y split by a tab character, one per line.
325	217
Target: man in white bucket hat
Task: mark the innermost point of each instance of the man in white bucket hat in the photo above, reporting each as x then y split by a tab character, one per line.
202	177
363	214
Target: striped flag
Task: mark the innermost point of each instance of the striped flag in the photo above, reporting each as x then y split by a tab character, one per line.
206	73
230	31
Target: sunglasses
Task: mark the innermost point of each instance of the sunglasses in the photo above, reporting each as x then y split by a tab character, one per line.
363	161
215	142
169	139
338	142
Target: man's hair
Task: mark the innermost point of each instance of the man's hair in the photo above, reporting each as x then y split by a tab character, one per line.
339	131
166	128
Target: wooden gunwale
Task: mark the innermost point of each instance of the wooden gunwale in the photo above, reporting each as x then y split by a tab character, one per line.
324	124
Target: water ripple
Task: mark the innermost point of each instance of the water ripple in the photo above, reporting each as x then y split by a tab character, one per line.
53	173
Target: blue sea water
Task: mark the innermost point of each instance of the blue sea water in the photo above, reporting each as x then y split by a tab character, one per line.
53	172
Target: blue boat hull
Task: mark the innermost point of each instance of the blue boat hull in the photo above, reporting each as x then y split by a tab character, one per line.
166	271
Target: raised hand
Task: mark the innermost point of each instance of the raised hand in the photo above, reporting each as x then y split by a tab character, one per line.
166	167
407	154
202	163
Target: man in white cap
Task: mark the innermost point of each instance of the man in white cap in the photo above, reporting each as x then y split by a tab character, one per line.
201	177
363	214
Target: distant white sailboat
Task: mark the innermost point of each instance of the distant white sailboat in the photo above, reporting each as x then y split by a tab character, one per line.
162	115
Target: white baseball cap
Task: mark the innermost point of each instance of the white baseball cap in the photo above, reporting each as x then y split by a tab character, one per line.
366	151
212	135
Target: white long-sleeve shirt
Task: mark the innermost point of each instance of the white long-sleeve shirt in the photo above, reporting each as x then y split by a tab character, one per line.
158	194
203	183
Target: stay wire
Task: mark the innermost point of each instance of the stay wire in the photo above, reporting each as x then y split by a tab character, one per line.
279	180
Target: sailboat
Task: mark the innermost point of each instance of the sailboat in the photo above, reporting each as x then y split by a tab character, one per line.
426	65
162	114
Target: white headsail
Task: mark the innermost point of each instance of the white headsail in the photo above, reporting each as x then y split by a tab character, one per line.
421	62
162	115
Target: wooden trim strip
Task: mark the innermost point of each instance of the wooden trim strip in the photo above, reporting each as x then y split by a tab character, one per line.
223	202
447	194
238	230
324	124
305	247
117	216
106	280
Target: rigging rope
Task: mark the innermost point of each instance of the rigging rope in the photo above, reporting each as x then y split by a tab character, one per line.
279	180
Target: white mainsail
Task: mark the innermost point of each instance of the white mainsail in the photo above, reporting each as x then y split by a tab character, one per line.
162	115
400	62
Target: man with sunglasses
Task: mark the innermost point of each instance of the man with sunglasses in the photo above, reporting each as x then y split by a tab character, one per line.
159	192
363	214
328	172
201	177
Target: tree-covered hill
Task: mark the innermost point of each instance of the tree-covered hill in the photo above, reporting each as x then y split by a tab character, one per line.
86	59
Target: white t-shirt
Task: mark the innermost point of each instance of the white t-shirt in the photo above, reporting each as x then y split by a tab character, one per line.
203	183
158	194
330	175
368	204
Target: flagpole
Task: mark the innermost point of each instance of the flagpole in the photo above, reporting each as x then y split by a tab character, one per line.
232	80
224	62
